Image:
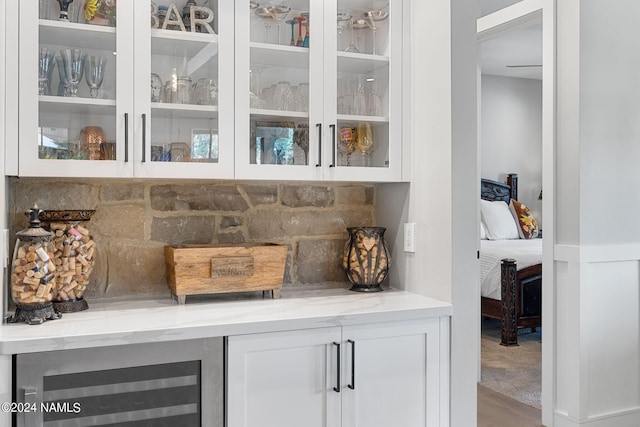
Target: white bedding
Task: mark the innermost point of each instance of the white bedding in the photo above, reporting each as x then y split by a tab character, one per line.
525	252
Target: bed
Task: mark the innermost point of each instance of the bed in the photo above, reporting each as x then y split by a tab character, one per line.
514	295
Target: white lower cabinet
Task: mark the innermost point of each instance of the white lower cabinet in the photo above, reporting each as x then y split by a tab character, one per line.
375	375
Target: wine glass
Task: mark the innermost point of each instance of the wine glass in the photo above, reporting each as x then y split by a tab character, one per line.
264	14
73	63
293	23
279	13
63	85
46	65
64	9
371	18
343	20
364	142
95	73
346	145
306	16
356	24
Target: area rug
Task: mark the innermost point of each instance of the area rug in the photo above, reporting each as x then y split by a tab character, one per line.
513	371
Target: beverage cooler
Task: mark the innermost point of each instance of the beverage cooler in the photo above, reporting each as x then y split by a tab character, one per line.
178	383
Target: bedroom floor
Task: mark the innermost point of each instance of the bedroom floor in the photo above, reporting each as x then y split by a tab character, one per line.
512	371
497	410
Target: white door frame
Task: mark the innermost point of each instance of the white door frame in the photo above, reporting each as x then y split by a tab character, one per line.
519	15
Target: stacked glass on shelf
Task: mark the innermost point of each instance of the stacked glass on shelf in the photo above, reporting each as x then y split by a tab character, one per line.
282	96
72	64
354	98
357	22
278	13
182	90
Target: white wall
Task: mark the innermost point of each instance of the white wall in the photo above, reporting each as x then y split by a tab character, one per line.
511	129
597	251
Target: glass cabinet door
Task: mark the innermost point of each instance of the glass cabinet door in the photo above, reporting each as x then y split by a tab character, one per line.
279	80
364	47
68	93
183	123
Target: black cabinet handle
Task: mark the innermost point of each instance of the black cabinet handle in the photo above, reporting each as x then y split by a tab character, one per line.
319	164
144	138
337	388
352	386
333	146
126	137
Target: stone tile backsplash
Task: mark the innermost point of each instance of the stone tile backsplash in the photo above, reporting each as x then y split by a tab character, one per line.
135	219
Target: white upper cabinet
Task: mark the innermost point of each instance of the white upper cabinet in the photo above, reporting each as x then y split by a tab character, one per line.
318	90
273	89
164	107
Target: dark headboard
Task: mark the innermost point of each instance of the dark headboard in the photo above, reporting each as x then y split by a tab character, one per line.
494	190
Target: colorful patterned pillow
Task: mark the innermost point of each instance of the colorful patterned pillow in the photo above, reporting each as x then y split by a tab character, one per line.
528	227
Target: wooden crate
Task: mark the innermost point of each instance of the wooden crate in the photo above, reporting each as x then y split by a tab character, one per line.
211	269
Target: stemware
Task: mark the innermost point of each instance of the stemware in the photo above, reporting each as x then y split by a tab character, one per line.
305	15
95	74
73	63
64	9
293	23
371	17
46	65
279	13
359	98
343	20
264	14
374	102
256	99
346	145
364	142
356	24
63	85
301	21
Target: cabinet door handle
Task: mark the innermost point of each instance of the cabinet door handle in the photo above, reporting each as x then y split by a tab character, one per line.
352	386
337	388
333	146
144	138
126	137
30	398
319	127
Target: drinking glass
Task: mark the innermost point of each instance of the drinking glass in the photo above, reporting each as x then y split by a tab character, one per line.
359	98
64	9
343	20
95	73
73	63
293	23
46	65
282	96
264	14
346	145
303	97
279	13
63	85
206	92
364	142
307	22
44	8
156	88
256	96
374	103
371	18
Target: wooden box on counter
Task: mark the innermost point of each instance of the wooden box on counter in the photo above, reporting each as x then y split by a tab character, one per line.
212	269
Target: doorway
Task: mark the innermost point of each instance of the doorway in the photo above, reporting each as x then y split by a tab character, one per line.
516	39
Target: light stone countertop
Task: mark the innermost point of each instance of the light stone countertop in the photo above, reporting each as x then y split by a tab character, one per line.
130	322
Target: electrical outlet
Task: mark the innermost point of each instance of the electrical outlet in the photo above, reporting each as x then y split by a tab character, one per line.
409	236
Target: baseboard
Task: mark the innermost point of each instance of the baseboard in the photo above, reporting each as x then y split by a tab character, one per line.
626	418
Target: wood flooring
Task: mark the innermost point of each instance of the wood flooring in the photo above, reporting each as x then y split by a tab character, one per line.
498	410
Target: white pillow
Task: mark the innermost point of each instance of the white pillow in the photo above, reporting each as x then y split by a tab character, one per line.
498	219
483	231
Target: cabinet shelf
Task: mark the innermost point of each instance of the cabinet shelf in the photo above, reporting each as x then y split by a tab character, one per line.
362	119
178	111
279	55
76	105
83	36
277	115
170	42
360	63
